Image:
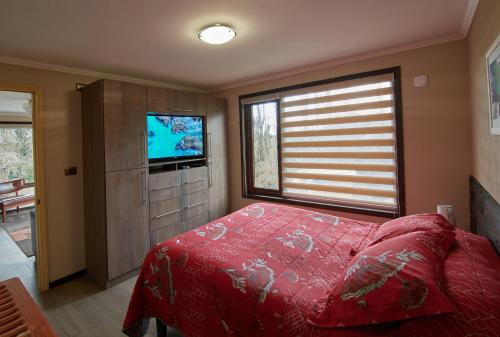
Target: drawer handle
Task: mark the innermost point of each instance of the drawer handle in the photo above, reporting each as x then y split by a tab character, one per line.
165	214
165	187
209	145
144	188
142	139
198	204
194	181
183	110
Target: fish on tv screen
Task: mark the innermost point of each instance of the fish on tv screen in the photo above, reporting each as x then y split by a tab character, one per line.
171	137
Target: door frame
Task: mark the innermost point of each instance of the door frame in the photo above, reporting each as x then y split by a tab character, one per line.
39	165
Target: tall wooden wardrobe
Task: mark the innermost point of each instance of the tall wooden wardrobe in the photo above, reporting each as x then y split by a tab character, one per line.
116	171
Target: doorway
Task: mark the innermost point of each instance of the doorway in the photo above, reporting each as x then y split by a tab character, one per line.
22	230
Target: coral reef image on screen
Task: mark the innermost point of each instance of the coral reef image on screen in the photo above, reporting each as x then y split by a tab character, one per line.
174	136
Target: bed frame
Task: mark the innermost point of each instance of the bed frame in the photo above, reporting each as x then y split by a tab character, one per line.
484	213
484	219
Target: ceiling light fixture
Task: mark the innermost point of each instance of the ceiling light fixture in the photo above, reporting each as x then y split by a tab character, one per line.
217	34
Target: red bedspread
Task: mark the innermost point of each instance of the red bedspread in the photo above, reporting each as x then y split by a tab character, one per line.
261	270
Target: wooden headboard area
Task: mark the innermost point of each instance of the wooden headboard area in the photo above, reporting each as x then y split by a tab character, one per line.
484	213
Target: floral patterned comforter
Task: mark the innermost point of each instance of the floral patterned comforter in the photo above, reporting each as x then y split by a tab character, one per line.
261	270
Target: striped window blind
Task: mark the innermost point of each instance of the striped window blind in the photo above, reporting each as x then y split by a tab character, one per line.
339	143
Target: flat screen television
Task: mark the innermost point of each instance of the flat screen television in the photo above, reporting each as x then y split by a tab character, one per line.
175	137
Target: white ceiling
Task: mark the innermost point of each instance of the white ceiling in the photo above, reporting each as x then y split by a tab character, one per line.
157	39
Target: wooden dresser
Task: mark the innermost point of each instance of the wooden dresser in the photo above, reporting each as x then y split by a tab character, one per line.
178	202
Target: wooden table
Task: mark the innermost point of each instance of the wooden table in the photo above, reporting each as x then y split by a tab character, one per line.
19	315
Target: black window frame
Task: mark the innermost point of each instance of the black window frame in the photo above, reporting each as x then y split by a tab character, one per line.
246	147
251	189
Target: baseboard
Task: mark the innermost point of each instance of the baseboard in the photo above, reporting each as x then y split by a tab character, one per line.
67	278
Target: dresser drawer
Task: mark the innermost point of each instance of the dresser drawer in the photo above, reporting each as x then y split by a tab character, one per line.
194	179
165	185
195	222
195	204
165	213
165	233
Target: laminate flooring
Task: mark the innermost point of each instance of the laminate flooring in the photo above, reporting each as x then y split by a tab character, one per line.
77	308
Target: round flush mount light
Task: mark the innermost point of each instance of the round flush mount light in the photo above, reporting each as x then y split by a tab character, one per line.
217	34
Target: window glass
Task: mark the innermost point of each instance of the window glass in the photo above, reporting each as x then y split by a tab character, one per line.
265	146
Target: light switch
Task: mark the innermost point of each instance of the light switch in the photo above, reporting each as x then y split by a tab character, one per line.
421	81
70	171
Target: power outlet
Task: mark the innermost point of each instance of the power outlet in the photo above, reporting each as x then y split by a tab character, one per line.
70	171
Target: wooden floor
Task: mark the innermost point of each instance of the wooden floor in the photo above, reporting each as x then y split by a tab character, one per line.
76	308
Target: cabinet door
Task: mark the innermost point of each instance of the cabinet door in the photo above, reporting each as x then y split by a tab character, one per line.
217	157
124	125
127	220
175	102
158	99
192	104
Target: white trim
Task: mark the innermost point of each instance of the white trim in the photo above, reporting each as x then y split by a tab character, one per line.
469	17
343	60
90	73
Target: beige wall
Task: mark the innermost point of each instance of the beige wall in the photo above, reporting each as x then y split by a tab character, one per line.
63	147
486	147
437	137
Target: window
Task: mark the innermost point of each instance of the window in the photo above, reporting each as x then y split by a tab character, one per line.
335	143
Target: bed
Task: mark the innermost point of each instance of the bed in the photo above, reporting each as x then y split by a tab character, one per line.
261	270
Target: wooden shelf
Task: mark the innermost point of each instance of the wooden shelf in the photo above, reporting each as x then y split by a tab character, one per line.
176	162
176	165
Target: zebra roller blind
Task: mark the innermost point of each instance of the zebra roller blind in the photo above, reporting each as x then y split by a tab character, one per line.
339	143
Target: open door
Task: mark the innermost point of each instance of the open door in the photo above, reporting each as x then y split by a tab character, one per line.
23	243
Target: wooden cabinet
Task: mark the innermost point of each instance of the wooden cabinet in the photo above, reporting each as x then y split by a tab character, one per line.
117	236
124	125
127	209
217	163
175	102
127	220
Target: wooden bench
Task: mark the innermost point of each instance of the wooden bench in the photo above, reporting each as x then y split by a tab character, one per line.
19	315
14	201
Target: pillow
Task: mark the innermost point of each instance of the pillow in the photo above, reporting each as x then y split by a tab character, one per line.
408	224
396	279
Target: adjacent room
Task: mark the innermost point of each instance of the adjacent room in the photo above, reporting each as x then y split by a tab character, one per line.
17	199
248	168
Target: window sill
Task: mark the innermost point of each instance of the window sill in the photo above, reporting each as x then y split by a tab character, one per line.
328	206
